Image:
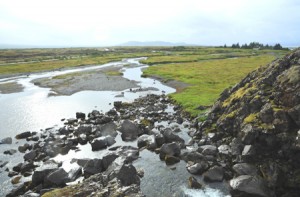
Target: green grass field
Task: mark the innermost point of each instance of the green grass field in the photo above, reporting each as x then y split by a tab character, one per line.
207	70
207	78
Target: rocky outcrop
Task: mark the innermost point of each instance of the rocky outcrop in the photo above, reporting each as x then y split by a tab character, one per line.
255	126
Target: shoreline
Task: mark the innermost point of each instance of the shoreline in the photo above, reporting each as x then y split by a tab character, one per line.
97	80
118	156
68	84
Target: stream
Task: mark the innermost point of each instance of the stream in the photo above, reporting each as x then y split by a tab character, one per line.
33	110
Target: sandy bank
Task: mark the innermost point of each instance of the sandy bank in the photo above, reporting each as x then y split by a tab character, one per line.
10	87
97	80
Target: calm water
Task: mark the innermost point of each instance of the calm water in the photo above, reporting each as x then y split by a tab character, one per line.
32	110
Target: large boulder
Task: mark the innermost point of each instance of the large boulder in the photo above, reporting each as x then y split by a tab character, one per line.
108	129
43	171
129	131
24	135
123	171
159	139
30	156
246	185
19	189
74	173
170	160
171	137
192	156
208	150
147	141
248	153
198	168
236	146
214	174
193	183
127	175
83	129
171	149
108	159
92	166
128	153
244	169
80	115
7	140
224	149
102	143
58	177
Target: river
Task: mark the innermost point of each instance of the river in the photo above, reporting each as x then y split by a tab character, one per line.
33	110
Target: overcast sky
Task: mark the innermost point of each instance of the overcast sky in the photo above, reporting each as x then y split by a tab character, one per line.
111	22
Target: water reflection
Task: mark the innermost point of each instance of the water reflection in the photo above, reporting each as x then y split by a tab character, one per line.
33	110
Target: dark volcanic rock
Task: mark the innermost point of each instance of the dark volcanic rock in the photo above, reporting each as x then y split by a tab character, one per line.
80	115
3	163
108	129
208	150
24	148
30	156
58	177
42	172
193	183
24	135
171	149
10	152
244	169
127	174
92	166
259	119
18	190
295	114
7	140
171	137
246	185
193	156
215	173
170	160
129	131
198	168
102	143
108	159
147	141
84	129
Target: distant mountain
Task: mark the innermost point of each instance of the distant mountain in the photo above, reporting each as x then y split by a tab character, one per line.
154	43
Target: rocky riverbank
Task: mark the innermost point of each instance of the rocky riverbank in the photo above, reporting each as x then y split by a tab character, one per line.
112	172
249	141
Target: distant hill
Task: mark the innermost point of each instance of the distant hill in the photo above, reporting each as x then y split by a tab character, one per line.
154	43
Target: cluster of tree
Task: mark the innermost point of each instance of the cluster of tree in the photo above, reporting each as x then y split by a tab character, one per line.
257	45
